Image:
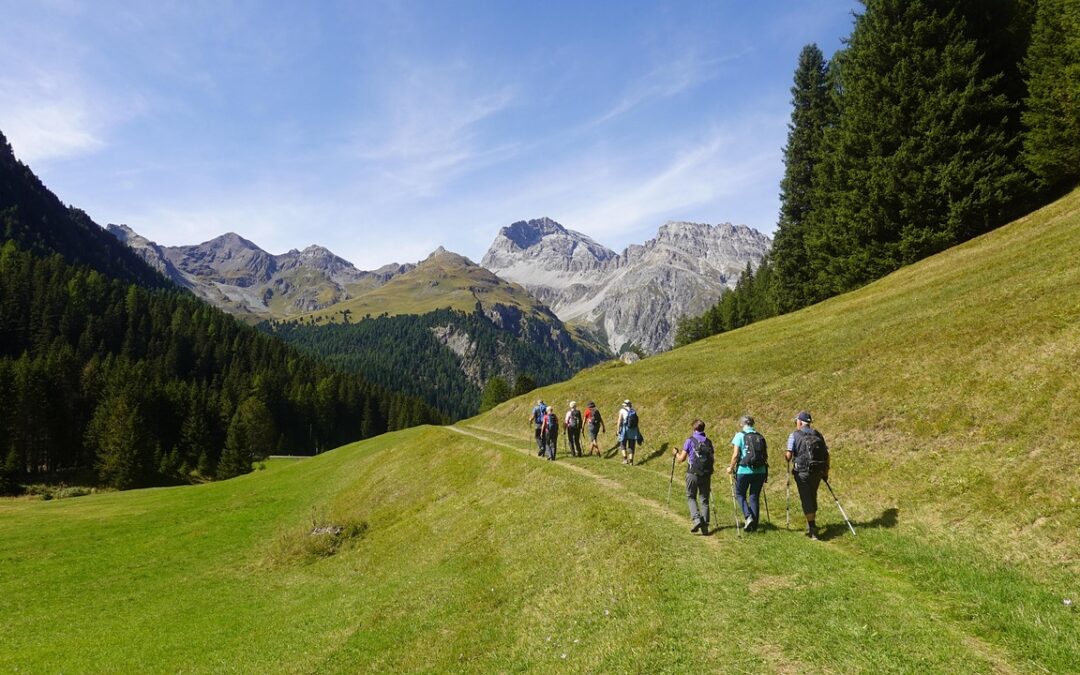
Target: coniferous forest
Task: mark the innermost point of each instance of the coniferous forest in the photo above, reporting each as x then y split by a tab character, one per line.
111	375
381	348
937	122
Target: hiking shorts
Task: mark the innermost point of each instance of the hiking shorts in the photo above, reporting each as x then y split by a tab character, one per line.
808	484
629	444
593	431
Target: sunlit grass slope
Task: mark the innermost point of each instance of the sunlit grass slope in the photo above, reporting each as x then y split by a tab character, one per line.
947	392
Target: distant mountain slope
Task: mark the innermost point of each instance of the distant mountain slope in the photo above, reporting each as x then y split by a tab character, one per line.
238	276
36	220
446	327
632	299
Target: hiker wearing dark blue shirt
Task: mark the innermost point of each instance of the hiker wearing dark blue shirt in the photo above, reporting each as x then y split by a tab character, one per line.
749	464
809	454
698	453
537	419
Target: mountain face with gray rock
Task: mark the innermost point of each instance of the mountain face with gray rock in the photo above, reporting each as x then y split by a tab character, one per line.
632	299
238	276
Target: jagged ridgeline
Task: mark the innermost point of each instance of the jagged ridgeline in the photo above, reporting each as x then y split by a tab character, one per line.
109	372
445	356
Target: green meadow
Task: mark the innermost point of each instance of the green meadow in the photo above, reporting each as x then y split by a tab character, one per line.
947	392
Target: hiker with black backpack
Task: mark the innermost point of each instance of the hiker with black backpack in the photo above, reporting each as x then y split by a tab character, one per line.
573	429
595	422
629	433
750	466
537	418
807	449
549	431
699	455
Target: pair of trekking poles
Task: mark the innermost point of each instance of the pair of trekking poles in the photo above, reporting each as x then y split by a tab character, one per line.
765	497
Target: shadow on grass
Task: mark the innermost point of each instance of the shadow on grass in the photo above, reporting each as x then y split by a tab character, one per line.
887	519
655	453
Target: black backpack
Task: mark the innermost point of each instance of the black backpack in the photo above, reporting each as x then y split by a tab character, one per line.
595	419
552	424
811	453
631	419
575	418
756	450
702	463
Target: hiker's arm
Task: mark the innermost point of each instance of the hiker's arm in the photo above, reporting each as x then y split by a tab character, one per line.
734	458
681	454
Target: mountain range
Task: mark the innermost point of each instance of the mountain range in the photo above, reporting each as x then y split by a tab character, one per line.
632	299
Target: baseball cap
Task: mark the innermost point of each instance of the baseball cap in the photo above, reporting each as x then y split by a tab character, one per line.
804	416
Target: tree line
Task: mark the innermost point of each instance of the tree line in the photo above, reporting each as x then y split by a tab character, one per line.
405	352
107	381
938	121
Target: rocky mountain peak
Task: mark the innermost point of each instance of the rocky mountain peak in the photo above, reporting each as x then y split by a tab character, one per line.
526	233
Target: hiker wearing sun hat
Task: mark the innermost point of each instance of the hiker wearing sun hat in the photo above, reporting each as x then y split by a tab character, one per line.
809	454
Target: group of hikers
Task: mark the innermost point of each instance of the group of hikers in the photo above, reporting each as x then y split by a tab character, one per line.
806	458
546	425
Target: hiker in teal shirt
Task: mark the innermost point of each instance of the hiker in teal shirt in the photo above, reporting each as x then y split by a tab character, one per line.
750	465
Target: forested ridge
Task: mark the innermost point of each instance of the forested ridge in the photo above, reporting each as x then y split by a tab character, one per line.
138	386
110	374
404	352
938	121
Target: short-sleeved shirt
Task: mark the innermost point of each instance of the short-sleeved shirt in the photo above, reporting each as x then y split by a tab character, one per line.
688	447
737	441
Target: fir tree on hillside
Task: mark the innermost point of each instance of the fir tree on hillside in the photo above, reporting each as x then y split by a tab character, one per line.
1052	117
812	111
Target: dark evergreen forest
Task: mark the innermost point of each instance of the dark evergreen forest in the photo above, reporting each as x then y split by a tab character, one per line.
404	353
136	386
938	121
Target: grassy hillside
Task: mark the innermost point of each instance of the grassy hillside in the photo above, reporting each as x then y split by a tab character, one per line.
443	280
946	391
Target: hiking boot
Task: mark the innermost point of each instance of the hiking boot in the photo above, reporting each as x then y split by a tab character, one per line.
697	525
750	525
705	529
811	532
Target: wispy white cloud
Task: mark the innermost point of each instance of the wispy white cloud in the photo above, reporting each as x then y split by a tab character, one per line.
48	116
430	127
666	80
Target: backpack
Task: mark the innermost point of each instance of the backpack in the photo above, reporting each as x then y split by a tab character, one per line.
631	419
575	419
594	418
755	450
538	415
552	423
702	463
811	453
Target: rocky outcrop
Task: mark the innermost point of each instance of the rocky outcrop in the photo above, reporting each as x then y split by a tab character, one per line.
238	276
634	298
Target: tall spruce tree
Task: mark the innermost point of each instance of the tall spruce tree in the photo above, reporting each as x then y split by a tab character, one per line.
921	157
812	110
1052	114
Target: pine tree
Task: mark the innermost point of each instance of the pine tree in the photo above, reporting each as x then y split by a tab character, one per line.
812	111
495	392
921	157
1052	114
116	432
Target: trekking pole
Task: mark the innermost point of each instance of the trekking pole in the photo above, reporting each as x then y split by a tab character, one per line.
787	498
839	507
671	480
734	506
765	496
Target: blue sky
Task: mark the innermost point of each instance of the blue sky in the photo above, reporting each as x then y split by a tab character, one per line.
382	130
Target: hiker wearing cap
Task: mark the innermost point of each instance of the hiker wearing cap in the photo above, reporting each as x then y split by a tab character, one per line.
750	466
809	454
595	422
537	419
549	431
629	434
697	452
573	429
